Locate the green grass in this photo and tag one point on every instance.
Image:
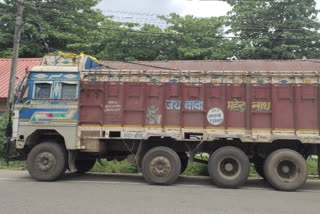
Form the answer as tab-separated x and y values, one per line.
194	169
115	167
14	165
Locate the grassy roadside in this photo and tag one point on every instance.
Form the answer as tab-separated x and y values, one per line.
194	169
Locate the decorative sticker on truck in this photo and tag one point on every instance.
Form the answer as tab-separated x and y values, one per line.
261	106
189	105
173	104
215	116
240	106
153	116
236	105
112	106
193	105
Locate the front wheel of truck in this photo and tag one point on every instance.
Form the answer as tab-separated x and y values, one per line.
47	161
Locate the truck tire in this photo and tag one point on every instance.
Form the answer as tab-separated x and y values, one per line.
161	165
286	170
84	166
184	161
47	161
229	167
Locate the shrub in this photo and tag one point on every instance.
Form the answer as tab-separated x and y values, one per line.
3	137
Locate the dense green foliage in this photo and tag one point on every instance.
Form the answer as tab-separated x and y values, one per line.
276	29
3	137
258	29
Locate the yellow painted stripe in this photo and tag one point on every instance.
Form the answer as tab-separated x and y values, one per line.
112	125
264	129
152	126
308	130
172	127
214	127
24	119
132	126
91	125
284	129
63	120
236	128
192	127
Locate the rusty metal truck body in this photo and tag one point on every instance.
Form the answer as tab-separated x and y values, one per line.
160	119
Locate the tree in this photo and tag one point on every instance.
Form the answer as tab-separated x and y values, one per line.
62	25
198	38
280	29
131	42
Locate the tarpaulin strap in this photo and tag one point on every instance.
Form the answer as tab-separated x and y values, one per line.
72	55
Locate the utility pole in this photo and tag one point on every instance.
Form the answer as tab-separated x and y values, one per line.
16	43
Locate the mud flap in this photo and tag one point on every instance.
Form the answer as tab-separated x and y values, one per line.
72	154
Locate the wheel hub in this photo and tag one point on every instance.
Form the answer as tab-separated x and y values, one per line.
160	166
45	161
287	170
229	167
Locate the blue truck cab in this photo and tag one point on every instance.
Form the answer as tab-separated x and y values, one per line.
46	105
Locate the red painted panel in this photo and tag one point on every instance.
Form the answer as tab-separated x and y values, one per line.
192	105
261	111
215	100
307	106
91	103
236	106
172	104
283	106
154	105
113	103
134	104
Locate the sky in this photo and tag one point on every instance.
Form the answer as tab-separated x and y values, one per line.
143	10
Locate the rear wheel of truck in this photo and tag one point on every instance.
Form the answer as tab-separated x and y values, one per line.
229	167
286	170
184	161
47	161
84	165
161	165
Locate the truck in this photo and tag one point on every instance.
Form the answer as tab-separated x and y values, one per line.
71	111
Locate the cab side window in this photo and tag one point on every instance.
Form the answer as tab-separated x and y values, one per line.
42	90
69	91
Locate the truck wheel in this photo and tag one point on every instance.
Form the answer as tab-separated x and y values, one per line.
161	165
47	161
286	169
84	166
184	161
229	167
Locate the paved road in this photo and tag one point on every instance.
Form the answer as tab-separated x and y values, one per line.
109	193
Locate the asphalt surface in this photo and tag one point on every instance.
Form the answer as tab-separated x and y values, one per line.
110	193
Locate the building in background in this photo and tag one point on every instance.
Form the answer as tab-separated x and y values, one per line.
5	68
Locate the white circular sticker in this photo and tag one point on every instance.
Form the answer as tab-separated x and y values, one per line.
215	116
